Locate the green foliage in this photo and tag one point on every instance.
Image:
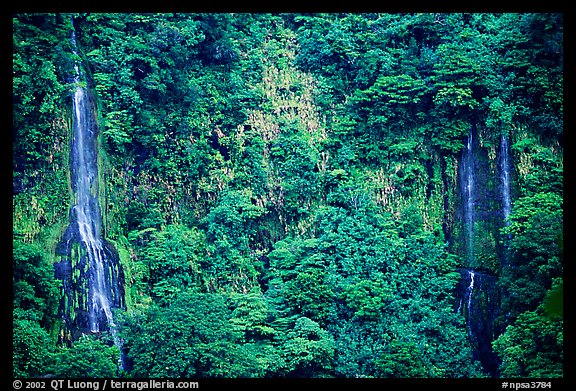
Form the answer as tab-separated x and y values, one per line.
402	359
32	346
197	335
531	347
302	277
296	161
287	185
173	257
375	286
250	316
35	300
232	231
530	216
391	90
366	298
34	288
554	301
87	358
536	227
540	167
308	349
39	77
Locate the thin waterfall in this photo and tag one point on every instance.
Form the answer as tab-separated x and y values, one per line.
470	289
476	295
505	178
467	295
103	285
86	210
478	300
469	313
467	185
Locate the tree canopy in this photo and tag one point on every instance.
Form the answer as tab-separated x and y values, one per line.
283	191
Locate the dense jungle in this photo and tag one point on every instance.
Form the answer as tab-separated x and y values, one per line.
231	195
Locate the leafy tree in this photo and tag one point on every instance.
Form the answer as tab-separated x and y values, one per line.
308	349
34	288
197	335
300	273
296	160
173	257
32	348
232	232
366	298
250	315
87	358
403	359
39	79
531	347
536	229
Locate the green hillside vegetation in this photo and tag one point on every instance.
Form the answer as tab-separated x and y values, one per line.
282	191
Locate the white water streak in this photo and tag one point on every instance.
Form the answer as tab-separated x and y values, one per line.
87	211
505	179
468	185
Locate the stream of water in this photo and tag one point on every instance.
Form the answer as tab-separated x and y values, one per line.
103	284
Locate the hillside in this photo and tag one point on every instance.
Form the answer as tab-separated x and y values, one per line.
288	195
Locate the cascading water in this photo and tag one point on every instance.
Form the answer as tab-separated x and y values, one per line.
467	185
505	178
92	277
477	297
470	289
477	290
467	295
86	210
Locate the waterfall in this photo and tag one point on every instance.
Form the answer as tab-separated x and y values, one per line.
477	296
467	296
470	289
479	292
467	185
104	275
86	210
505	178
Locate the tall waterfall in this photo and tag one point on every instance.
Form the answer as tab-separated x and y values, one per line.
93	282
477	296
467	186
505	178
86	211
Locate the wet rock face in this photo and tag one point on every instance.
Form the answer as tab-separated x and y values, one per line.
79	257
484	205
484	201
477	299
63	270
89	267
